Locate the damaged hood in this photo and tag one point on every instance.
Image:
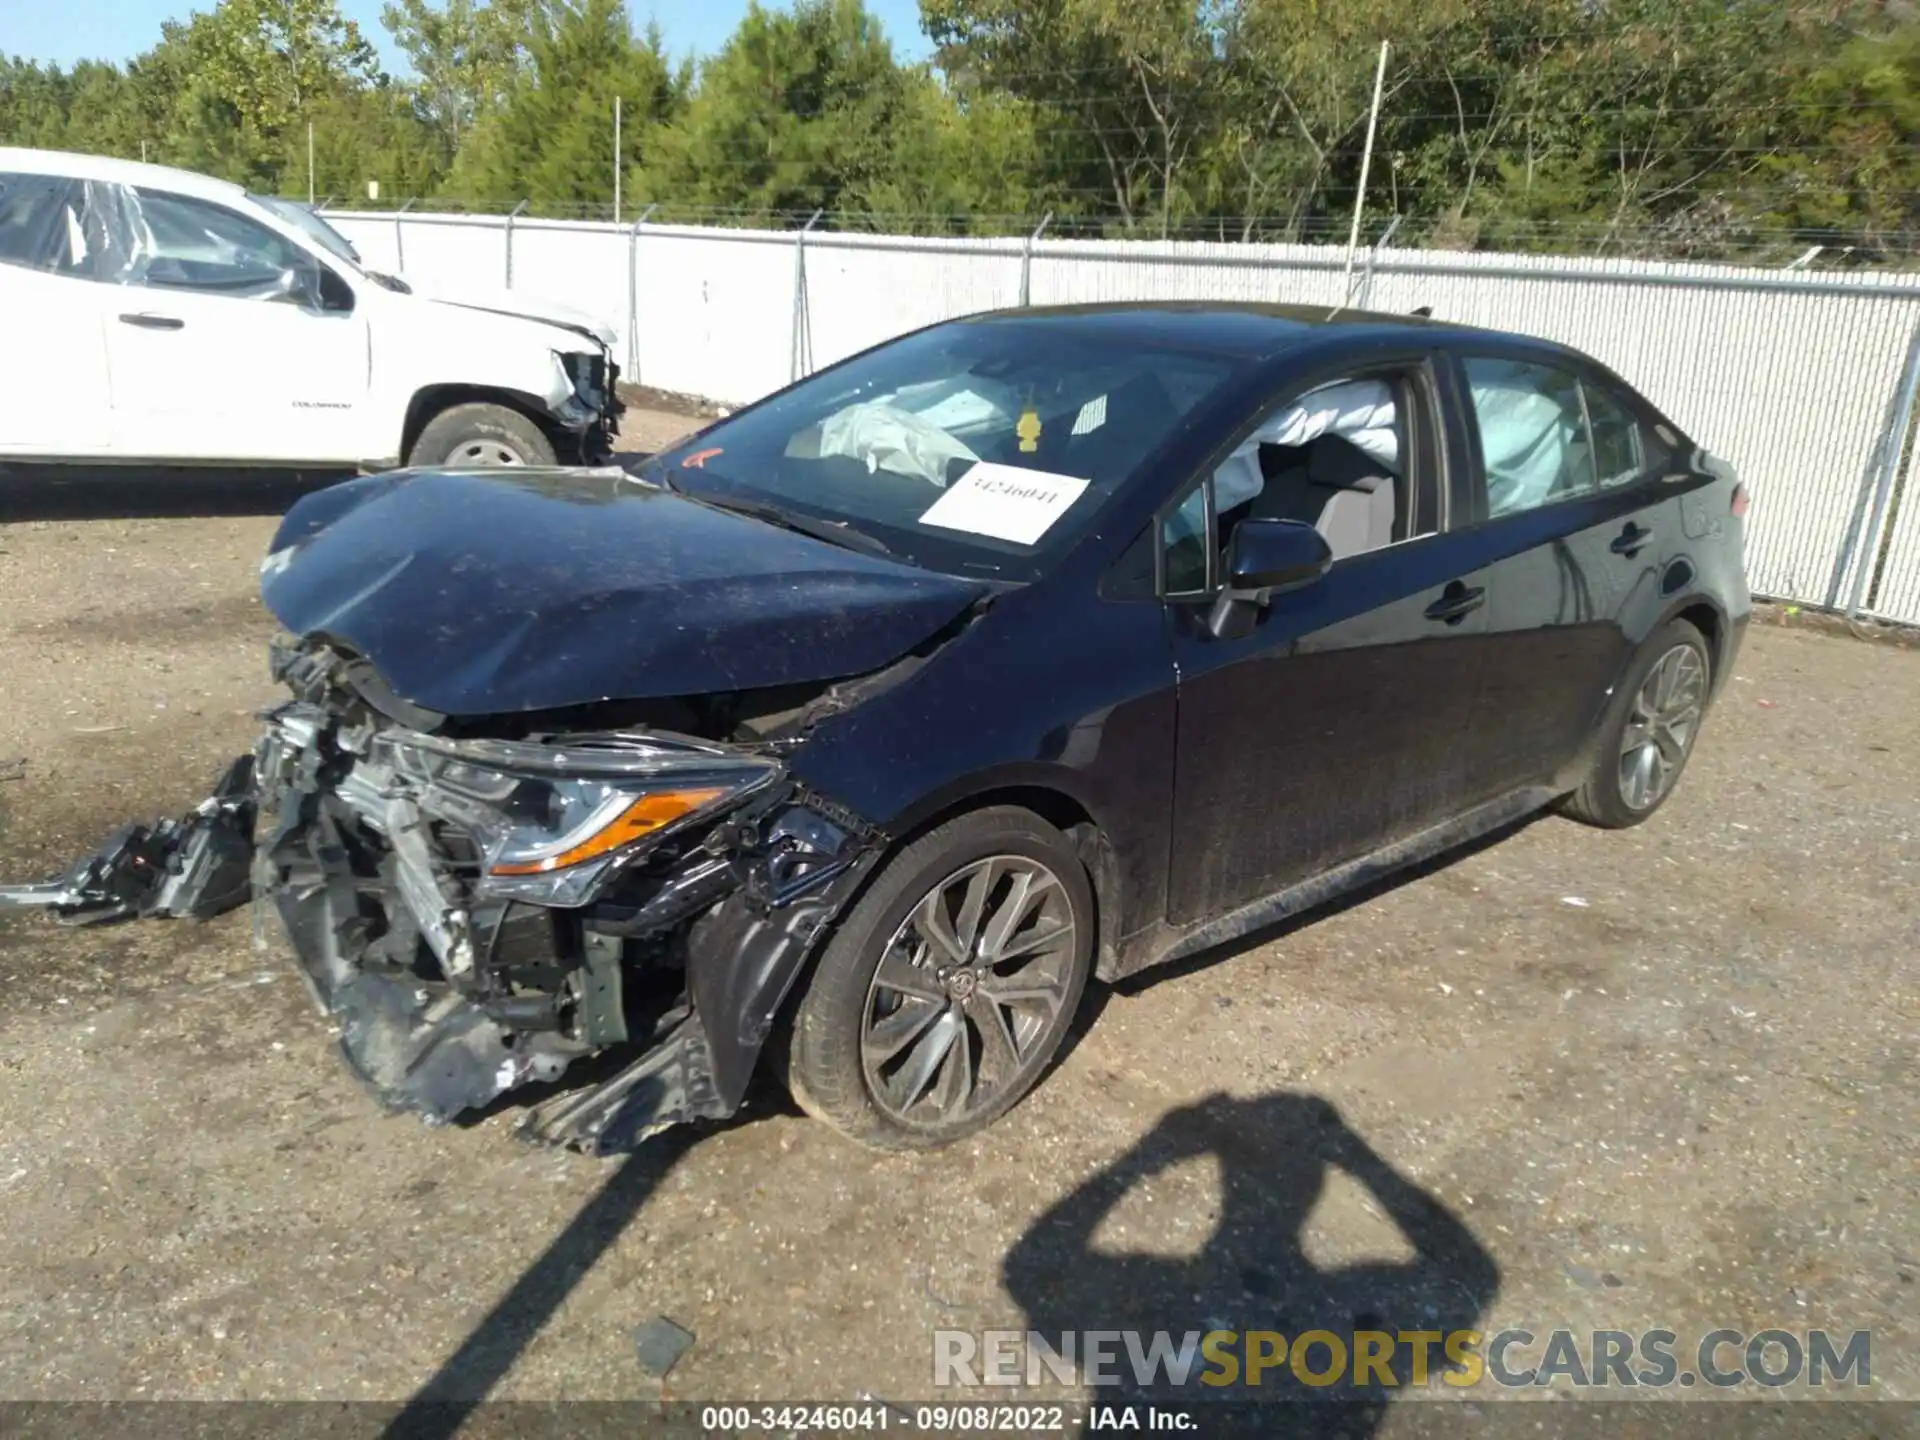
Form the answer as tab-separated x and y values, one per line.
488	592
517	304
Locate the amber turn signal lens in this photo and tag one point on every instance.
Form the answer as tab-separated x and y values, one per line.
646	815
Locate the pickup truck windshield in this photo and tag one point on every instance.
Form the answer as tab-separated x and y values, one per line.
316	229
975	447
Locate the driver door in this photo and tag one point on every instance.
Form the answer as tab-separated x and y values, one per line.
1330	729
209	359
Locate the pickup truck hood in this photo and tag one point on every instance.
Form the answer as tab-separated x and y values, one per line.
518	304
488	592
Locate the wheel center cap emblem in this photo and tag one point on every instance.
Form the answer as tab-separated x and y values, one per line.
960	984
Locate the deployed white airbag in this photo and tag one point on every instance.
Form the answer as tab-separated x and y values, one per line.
1359	411
886	437
1525	434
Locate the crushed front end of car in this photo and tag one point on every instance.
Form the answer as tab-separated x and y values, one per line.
585	403
480	913
477	914
531	798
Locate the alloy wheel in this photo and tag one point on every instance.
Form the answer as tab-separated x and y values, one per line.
1661	726
969	991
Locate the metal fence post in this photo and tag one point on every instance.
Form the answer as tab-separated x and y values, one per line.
1026	260
1887	455
798	356
1373	253
633	295
399	239
510	214
1366	164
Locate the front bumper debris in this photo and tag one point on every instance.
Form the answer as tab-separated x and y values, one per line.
588	406
194	868
450	988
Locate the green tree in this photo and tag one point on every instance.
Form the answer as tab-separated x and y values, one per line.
1715	128
1124	88
550	141
950	166
271	59
797	112
465	55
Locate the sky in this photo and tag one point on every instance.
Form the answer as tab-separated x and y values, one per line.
64	31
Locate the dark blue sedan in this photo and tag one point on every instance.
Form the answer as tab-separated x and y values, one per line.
865	725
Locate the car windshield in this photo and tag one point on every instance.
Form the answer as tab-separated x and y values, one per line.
315	228
979	447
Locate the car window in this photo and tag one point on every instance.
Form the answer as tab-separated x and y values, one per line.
1183	537
972	446
312	226
1333	458
183	243
1619	455
1533	434
1336	457
43	224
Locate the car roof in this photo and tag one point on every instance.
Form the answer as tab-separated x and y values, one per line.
1253	331
118	172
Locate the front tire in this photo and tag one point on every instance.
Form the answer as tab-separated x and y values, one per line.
464	436
945	993
1650	732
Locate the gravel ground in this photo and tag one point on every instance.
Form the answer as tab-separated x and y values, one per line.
1660	1078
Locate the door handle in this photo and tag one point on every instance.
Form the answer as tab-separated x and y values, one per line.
1630	541
147	320
1456	602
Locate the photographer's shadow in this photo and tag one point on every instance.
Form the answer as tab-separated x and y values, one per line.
1253	1274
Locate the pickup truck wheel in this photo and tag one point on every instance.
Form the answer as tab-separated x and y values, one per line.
481	435
943	995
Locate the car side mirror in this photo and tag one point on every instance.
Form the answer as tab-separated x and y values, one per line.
334	294
293	286
305	286
1265	558
1275	555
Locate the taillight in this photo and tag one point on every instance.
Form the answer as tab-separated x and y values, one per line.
1739	500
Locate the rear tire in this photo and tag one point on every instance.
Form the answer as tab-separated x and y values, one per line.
481	435
1649	733
986	925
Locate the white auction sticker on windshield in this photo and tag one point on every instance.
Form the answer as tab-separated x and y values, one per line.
1005	502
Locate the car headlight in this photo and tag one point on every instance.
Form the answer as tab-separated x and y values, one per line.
551	823
588	819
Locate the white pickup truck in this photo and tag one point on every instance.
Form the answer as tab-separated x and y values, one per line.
151	316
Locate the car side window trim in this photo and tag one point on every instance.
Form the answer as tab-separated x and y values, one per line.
1417	390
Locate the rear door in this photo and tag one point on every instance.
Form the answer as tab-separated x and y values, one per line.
211	357
1328	731
1571	518
53	359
